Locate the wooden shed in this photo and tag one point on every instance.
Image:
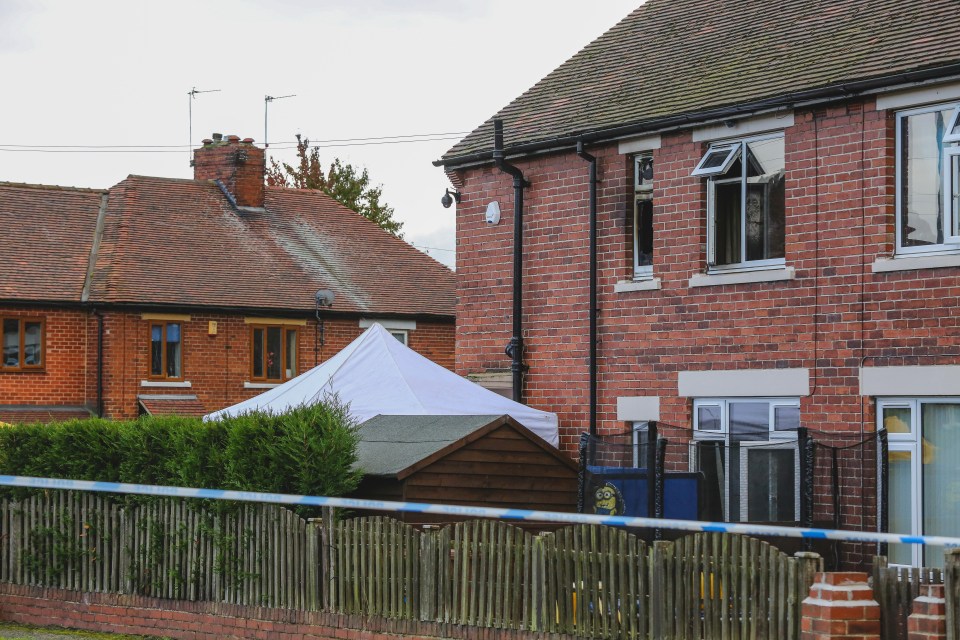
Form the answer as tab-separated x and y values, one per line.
489	461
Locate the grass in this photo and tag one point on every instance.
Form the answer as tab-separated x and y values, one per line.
18	632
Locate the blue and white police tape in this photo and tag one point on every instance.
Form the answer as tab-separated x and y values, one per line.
474	512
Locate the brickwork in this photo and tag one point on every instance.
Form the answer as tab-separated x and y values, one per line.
200	620
835	316
840	605
239	165
928	621
63	380
216	366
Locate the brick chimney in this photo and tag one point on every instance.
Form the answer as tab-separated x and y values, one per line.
238	164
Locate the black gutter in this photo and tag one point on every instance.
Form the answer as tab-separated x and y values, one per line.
822	94
515	349
593	285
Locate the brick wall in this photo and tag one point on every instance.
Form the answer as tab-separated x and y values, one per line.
63	379
199	620
834	317
216	365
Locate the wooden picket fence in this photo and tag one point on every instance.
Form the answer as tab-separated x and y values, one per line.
587	581
166	548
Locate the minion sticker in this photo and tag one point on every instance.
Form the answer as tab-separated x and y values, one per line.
607	500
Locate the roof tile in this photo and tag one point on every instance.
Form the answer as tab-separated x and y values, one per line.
681	57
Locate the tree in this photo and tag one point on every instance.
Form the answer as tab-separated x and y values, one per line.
342	182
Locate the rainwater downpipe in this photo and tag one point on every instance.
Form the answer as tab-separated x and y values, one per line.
99	316
515	349
593	285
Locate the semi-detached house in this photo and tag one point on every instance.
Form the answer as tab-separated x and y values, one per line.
777	240
164	295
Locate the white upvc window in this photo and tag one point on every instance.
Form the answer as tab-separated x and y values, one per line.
745	203
928	180
754	459
923	486
642	217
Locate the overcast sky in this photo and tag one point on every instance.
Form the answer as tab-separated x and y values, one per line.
118	73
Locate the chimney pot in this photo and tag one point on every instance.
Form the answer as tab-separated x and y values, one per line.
233	139
247	140
207	141
217	137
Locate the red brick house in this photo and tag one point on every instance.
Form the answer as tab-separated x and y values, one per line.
777	239
163	295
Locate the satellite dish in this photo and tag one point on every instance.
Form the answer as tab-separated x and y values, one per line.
324	298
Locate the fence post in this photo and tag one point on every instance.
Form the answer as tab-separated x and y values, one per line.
951	583
657	586
314	568
328	570
810	564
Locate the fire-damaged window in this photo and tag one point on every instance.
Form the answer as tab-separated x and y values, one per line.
928	179
643	217
746	448
22	344
745	203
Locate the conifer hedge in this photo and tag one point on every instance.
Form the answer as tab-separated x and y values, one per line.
308	450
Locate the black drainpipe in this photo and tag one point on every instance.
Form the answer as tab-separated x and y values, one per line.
593	285
515	348
99	316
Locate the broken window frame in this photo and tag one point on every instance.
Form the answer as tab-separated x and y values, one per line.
733	151
643	197
720	178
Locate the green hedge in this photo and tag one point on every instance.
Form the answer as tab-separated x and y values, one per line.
308	450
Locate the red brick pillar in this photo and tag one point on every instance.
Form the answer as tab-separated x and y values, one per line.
929	618
840	605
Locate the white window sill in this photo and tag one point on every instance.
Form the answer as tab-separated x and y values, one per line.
260	385
911	262
651	284
743	277
160	384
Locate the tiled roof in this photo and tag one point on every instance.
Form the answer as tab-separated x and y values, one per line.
673	58
45	239
176	406
181	243
30	415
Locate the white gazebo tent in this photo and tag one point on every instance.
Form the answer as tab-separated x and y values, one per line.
377	375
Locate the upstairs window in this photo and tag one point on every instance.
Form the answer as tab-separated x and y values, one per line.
22	344
745	203
928	179
643	217
166	350
273	353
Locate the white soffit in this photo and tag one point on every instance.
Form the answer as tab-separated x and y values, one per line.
746	127
396	325
751	383
636	145
638	408
943	380
919	95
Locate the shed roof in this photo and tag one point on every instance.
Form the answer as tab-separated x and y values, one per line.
392	444
396	446
683	59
